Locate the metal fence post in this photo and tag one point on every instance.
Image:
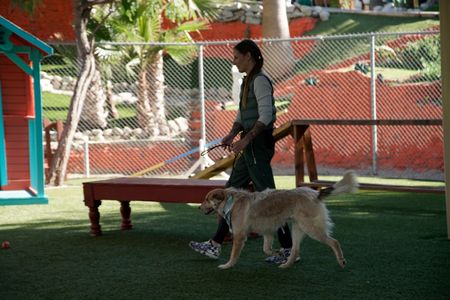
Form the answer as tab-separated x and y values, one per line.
201	88
203	159
373	105
87	171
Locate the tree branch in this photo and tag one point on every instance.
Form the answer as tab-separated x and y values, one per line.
100	2
103	19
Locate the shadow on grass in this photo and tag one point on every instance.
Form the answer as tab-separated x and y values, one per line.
399	255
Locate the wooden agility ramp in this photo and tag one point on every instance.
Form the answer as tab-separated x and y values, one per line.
227	162
304	153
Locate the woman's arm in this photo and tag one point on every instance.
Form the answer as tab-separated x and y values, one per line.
263	92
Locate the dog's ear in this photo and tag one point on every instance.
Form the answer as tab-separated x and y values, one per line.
218	195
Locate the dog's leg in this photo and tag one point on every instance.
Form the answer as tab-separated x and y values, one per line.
297	237
268	241
238	244
320	234
336	246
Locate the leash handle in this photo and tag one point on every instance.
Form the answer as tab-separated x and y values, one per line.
226	146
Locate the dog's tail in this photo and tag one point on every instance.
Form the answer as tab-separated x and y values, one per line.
348	184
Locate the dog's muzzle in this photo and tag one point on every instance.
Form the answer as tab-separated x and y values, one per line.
206	210
209	211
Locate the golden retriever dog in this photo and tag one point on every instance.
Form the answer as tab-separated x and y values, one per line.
265	212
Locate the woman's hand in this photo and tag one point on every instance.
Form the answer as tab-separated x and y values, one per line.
227	141
244	141
241	144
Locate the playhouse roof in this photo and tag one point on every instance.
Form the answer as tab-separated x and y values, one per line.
46	49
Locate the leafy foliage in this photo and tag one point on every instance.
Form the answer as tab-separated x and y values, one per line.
160	21
28	6
423	55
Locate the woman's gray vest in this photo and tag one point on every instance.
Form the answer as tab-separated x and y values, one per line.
249	114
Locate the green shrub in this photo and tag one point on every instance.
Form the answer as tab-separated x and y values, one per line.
423	51
432	69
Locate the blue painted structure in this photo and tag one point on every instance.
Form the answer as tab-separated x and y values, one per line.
21	141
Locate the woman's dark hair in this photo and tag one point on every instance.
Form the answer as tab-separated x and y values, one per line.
249	46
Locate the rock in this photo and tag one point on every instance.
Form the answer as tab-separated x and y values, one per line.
182	123
306	10
116	131
137	132
252	20
108	132
46	85
324	15
96	132
78	136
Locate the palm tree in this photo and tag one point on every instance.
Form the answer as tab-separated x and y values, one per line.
280	59
174	11
86	74
158	21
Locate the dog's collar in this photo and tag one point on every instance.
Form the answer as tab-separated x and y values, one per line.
227	210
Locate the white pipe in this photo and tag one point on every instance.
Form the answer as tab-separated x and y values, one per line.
201	88
373	106
87	171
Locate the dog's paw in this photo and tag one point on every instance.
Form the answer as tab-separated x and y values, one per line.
225	266
285	265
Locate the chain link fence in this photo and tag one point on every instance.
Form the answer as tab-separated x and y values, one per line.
191	100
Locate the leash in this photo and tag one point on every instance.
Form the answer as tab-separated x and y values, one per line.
226	147
206	151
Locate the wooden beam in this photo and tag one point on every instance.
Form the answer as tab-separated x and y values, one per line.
309	155
218	167
299	159
444	11
359	122
227	162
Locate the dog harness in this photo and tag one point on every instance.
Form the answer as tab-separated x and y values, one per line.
227	211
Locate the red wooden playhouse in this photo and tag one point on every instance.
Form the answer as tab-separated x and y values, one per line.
21	150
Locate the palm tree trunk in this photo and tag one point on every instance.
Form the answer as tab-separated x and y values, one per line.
110	104
155	75
150	107
94	114
87	71
143	109
279	58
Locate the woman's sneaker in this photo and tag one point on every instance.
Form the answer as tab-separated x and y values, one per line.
206	248
281	257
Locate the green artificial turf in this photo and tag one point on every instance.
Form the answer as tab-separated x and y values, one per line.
395	244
